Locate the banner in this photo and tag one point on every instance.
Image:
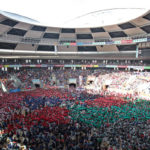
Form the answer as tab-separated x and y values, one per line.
140	40
73	44
14	90
122	66
79	43
126	41
118	42
95	66
110	43
147	67
38	65
79	66
111	66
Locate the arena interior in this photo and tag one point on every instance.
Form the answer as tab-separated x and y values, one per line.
74	88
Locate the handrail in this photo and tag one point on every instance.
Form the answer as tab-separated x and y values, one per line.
30	40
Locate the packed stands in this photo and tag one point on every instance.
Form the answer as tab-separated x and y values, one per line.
62	118
75	88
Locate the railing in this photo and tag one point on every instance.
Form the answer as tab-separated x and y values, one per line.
57	53
28	40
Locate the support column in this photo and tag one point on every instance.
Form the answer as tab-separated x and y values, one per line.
137	51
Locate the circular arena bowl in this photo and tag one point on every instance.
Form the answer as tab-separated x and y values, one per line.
124	36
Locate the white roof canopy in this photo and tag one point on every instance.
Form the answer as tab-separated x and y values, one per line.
76	13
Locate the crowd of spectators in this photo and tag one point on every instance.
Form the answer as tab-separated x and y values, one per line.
60	119
117	81
135	84
47	77
56	119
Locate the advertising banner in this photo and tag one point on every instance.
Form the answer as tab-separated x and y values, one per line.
126	41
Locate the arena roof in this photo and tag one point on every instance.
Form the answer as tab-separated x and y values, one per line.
21	35
75	13
16	31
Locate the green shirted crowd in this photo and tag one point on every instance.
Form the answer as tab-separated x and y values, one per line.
94	116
